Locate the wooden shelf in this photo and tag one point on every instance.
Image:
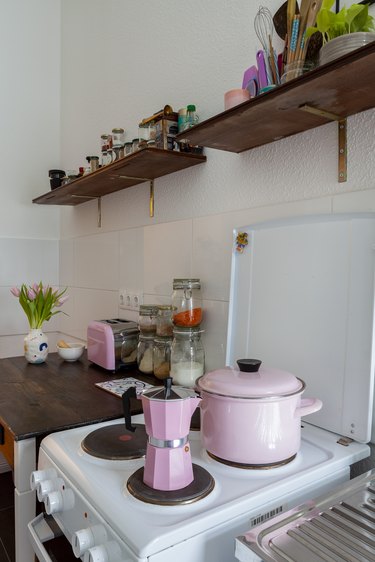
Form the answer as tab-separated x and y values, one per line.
342	87
144	165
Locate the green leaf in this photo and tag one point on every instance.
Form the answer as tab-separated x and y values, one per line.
359	20
324	20
327	4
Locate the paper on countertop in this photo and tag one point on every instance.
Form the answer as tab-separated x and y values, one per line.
119	386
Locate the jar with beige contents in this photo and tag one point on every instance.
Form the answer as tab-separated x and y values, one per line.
145	354
147	319
162	356
164	323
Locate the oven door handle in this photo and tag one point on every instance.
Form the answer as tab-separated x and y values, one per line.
40	532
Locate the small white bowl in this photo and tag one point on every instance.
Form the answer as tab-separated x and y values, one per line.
71	353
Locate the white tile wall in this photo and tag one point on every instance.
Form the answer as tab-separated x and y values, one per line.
28	261
131	259
25	261
96	261
147	258
85	305
167	254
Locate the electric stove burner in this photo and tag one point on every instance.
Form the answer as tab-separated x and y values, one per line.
252	466
201	486
115	442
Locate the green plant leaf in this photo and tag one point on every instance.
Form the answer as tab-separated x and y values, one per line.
310	31
359	19
327	4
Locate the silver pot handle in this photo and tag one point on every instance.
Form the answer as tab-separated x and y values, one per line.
308	406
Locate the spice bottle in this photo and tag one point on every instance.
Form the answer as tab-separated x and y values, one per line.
187	302
187	356
145	354
162	356
164	324
118	137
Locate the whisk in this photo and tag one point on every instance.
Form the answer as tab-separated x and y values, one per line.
263	25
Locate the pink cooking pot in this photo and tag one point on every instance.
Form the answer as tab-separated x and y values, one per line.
252	415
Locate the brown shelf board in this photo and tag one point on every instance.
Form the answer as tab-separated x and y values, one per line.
344	87
143	165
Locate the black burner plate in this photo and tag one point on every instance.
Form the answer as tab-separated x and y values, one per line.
252	466
115	442
201	486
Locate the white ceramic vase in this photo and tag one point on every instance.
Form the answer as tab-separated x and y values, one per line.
36	346
343	44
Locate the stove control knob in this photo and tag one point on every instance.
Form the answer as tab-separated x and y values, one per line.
46	486
39	475
107	552
58	501
84	539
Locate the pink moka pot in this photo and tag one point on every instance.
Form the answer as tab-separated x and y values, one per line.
168	411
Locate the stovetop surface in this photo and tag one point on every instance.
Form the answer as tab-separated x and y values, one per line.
237	491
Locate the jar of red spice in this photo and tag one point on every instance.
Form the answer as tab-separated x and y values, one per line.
187	302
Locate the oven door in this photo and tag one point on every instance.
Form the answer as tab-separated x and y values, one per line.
48	540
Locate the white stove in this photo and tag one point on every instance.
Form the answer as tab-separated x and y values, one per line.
302	299
92	495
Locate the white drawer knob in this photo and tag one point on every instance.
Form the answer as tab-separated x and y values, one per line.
46	486
59	501
84	539
39	475
108	552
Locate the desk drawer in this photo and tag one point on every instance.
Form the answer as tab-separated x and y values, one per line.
7	445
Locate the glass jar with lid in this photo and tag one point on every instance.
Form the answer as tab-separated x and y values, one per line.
187	302
118	136
145	352
162	356
147	319
187	356
164	324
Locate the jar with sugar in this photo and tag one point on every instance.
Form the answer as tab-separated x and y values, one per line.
187	356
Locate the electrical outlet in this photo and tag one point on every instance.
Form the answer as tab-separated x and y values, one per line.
136	300
125	299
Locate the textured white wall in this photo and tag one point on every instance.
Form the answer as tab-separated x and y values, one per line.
124	60
29	146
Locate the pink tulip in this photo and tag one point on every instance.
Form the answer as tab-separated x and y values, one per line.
45	290
61	301
31	294
15	291
36	288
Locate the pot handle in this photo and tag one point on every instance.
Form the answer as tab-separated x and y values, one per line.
308	406
130	393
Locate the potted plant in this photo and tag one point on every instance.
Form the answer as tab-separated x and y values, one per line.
343	32
38	303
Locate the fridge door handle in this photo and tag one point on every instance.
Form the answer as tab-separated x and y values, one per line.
39	533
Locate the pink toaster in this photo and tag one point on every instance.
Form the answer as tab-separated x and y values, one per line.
112	344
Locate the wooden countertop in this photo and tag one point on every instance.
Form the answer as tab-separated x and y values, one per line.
36	400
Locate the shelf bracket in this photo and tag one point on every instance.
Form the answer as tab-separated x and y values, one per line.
99	212
99	199
151	190
342	137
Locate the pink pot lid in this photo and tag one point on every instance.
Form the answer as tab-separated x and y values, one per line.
250	381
